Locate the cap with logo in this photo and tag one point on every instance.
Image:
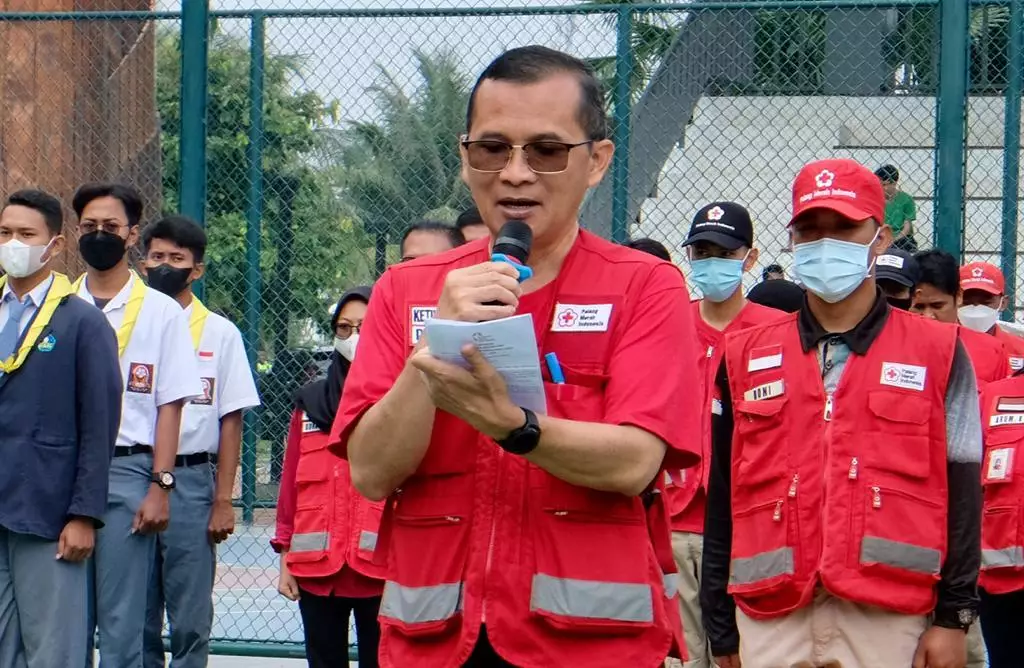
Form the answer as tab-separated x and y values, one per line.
898	266
726	224
844	186
982	276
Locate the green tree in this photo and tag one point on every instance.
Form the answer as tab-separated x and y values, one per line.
405	166
310	252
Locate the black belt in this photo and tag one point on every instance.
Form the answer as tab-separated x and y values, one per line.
129	450
195	459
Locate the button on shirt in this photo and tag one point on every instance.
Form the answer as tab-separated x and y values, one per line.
158	365
227	381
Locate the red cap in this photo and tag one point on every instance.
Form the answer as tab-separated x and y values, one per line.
844	186
982	276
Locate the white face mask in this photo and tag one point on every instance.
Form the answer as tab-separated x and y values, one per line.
347	347
979	317
19	260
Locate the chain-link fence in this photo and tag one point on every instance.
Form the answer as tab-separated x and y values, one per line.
328	131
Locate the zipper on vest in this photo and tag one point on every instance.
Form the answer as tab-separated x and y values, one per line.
793	484
853	469
777	515
876	497
490	541
829	406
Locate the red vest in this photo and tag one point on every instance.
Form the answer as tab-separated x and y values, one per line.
847	490
559	574
1002	473
687	488
334	525
988	356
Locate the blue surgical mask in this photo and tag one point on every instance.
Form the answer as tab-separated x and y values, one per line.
717	277
830	268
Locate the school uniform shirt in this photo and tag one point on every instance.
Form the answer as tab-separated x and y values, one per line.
158	365
36	296
227	385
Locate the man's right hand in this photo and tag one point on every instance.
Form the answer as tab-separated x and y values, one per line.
730	661
467	291
287	585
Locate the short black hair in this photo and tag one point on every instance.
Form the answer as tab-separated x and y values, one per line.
126	194
454	234
772	269
940	269
888	174
179	230
469	217
43	202
530	64
651	247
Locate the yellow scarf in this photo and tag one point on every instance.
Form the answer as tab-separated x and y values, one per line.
60	289
197	321
131	313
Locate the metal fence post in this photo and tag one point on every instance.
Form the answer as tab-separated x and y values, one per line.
951	127
195	27
254	217
622	108
1011	154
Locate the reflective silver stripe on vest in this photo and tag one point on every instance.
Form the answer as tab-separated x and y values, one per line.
671	584
874	550
367	541
592	599
309	542
749	570
1008	557
418	605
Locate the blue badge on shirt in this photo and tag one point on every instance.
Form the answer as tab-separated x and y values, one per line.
47	344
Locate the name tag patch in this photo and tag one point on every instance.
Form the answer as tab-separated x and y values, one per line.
907	376
1003	419
307	425
418	317
581	318
1010	404
1017	363
1000	465
140	378
775	388
769	357
208	387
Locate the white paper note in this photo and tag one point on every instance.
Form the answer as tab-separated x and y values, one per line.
509	344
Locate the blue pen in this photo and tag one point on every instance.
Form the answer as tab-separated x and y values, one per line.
555	369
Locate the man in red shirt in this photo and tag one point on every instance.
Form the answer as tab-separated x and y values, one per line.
517	539
984	296
721	250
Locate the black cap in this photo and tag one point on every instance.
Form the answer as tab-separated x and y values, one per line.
726	224
898	266
778	294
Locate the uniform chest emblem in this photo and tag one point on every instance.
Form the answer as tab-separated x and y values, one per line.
768	357
581	318
418	317
907	376
140	378
209	386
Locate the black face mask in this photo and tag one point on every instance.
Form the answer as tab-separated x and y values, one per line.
902	304
100	250
167	279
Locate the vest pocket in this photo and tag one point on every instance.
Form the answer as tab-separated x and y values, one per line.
314	509
763	556
1002	542
903	535
903	418
427	553
593	569
763	436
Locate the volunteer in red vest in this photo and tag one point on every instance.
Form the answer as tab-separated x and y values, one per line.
721	249
1002	526
983	297
844	496
517	538
936	297
326	531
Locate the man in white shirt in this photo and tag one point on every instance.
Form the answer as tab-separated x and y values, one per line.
158	364
202	514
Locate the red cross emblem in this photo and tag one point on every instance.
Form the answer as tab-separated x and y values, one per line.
566	318
892	374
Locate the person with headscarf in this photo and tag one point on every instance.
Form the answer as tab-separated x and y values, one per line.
326	531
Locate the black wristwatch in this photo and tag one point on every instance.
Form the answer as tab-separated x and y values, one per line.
524	439
165	479
962	620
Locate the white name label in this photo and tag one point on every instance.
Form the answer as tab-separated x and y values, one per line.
1006	418
418	317
906	376
766	391
894	261
581	318
1017	363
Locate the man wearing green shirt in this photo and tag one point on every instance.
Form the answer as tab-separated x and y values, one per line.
900	210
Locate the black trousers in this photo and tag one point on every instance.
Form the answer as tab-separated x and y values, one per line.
1002	616
325	627
484	656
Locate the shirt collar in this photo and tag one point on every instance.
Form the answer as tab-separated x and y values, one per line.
859	339
36	294
121	298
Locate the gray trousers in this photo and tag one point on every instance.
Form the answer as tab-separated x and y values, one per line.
182	578
121	566
42	605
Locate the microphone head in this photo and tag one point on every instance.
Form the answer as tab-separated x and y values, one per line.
514	240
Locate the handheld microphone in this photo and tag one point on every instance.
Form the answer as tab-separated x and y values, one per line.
513	246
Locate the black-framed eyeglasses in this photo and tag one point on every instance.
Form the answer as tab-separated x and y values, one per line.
343	330
542	157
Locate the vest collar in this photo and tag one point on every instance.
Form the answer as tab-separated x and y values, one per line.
859	339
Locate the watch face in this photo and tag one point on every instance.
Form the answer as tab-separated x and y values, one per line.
166	478
965	617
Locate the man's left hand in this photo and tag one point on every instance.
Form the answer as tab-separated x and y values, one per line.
940	647
477	395
222	521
